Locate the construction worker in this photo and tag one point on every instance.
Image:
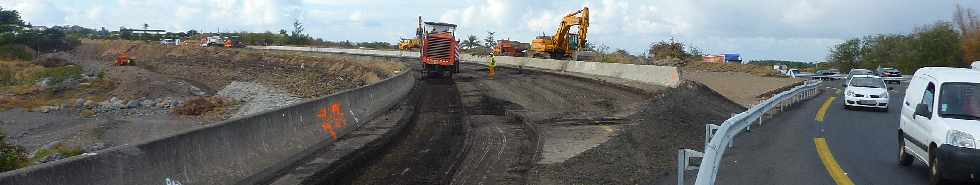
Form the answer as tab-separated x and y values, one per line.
491	64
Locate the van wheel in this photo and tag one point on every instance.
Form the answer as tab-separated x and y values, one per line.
904	158
935	170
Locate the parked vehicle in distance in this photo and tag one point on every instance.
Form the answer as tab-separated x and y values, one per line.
175	42
889	72
827	72
856	72
940	122
866	91
792	72
891	75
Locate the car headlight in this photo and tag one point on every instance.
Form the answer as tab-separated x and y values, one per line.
849	93
883	95
960	139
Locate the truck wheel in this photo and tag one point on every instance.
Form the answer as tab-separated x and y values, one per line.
904	158
935	170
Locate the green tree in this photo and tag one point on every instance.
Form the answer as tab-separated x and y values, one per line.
667	49
845	55
938	45
297	37
10	21
489	41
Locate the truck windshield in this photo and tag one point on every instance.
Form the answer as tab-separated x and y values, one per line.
960	101
867	82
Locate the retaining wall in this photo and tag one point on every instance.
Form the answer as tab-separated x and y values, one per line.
657	75
228	152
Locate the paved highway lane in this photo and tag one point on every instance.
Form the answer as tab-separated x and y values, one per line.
862	143
865	143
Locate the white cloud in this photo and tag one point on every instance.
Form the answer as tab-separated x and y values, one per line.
802	13
260	13
757	28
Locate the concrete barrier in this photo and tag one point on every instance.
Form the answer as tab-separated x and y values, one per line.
228	152
658	75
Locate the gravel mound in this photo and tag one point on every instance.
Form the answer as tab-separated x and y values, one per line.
256	97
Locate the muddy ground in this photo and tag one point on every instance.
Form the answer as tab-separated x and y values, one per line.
168	76
529	127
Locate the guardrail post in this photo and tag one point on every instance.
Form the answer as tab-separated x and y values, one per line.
681	166
683	158
709	132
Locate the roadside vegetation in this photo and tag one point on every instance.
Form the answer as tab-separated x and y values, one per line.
28	80
944	43
11	156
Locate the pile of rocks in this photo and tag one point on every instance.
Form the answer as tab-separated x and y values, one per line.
256	97
116	104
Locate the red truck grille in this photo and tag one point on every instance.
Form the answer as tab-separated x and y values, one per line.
437	50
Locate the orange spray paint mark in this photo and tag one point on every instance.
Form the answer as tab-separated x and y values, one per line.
333	119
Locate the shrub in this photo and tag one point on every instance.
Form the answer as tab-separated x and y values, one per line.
16	52
199	105
11	156
59	74
58	149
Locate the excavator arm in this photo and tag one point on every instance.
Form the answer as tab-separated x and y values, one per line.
578	18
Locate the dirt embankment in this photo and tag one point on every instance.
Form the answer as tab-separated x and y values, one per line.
743	88
745	84
301	74
644	152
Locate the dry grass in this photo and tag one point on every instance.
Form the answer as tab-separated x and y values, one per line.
17	88
201	105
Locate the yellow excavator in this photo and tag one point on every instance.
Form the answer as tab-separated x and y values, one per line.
413	43
564	44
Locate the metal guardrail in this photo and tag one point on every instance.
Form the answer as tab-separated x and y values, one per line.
719	137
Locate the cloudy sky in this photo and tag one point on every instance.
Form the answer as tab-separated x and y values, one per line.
758	29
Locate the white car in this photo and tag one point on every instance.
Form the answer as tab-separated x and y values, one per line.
940	123
866	91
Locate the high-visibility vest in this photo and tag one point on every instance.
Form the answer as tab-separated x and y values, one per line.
492	61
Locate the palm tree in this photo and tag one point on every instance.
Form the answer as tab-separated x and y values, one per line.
471	42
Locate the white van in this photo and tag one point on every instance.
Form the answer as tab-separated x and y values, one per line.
940	122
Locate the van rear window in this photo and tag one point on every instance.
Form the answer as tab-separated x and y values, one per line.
960	100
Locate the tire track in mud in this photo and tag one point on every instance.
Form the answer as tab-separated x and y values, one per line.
429	153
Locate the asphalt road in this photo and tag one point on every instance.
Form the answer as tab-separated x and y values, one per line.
863	143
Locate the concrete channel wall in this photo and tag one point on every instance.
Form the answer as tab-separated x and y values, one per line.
229	152
658	75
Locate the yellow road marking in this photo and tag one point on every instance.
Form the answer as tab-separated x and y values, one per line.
823	109
838	174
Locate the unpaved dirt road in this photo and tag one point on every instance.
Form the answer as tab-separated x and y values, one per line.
479	131
429	153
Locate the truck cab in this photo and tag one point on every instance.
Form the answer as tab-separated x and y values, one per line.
440	49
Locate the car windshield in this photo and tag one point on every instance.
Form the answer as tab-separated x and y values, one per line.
960	101
867	82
